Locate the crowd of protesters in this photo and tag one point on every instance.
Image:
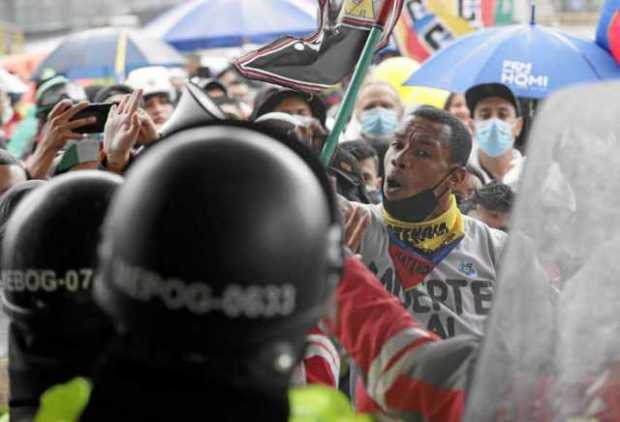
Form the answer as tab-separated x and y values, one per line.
423	201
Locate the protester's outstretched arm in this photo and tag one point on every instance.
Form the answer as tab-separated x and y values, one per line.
56	132
356	218
407	370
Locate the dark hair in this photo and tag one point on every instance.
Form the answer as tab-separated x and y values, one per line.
495	196
361	150
112	90
208	83
92	91
7	159
460	138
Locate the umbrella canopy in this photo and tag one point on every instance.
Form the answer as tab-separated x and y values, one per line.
11	83
532	60
204	24
107	52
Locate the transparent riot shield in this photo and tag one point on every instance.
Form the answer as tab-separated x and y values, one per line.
552	349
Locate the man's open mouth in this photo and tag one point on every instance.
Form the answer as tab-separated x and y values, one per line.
392	183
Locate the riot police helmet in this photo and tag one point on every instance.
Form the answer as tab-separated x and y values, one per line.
49	253
224	242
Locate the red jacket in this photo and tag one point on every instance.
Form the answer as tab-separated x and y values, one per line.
321	363
408	372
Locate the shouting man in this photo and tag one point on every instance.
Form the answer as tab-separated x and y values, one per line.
441	264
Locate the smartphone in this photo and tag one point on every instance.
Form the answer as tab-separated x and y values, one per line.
100	111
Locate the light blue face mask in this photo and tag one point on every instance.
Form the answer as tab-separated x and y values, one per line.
494	136
379	122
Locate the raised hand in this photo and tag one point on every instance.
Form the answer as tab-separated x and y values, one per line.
55	133
59	127
121	131
356	219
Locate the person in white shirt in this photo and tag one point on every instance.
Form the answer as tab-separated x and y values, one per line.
442	265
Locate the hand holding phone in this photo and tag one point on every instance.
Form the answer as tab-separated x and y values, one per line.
99	112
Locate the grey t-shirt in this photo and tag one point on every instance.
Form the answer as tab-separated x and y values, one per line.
455	297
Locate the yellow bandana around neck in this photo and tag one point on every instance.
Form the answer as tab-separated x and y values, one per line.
429	236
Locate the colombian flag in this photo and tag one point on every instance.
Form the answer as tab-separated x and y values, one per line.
608	30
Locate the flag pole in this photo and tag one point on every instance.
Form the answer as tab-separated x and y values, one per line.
359	74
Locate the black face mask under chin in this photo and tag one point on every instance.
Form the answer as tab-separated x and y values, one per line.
418	207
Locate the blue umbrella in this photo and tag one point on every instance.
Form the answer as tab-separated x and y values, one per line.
532	60
107	53
204	24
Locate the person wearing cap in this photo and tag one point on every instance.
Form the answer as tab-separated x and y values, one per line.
289	101
52	91
498	123
158	93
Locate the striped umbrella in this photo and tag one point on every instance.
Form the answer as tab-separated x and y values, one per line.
204	24
107	53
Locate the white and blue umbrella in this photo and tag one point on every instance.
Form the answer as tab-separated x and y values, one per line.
205	24
107	53
532	60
